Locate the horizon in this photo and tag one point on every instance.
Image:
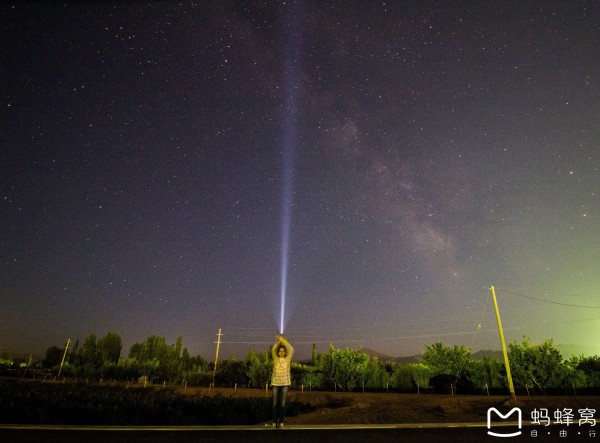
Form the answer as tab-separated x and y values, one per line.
304	351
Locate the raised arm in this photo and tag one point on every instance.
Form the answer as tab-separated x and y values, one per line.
288	346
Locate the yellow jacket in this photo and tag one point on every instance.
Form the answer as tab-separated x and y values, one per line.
281	366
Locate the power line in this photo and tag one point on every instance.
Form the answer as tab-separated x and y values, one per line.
257	335
546	301
361	332
354	340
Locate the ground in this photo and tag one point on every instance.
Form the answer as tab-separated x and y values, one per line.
357	408
369	408
387	408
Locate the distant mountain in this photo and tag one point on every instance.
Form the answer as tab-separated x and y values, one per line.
569	350
479	355
566	351
373	353
387	358
410	359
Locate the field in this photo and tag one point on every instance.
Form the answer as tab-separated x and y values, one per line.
382	408
35	402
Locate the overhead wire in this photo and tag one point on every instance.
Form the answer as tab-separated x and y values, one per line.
352	333
546	301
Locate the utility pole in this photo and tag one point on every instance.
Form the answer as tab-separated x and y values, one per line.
218	342
511	388
63	359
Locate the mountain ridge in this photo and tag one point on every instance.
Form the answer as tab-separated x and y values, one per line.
479	355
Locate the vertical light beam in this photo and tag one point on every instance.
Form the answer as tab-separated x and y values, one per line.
291	74
286	202
286	215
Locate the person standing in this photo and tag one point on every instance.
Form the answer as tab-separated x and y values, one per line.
282	352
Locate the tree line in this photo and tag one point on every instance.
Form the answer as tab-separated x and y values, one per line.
535	368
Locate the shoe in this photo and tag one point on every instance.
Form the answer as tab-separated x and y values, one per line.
281	425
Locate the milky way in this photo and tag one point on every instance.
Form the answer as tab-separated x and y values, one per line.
154	154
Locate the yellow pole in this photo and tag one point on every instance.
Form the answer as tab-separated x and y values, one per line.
218	342
504	353
63	359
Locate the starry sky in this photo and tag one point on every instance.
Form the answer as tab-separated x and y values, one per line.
417	151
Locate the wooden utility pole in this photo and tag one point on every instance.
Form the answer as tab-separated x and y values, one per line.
64	355
218	342
511	388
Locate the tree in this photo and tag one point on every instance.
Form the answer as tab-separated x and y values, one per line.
348	367
310	377
110	370
155	358
129	369
230	372
186	360
89	351
53	357
410	376
575	377
194	370
109	348
376	376
540	366
258	368
154	348
402	378
172	361
448	365
420	374
486	372
74	356
590	366
443	360
323	362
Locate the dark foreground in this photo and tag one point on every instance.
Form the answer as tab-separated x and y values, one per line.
458	432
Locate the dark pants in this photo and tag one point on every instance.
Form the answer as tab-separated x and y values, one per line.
279	396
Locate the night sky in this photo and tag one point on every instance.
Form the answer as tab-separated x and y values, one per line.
152	155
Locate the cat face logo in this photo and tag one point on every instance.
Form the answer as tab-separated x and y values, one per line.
504	417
